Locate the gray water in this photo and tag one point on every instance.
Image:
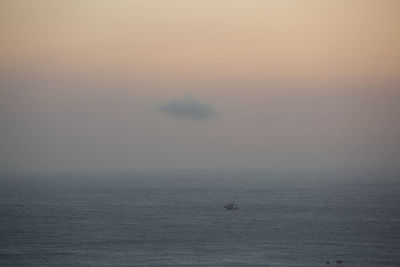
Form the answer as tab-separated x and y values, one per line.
178	219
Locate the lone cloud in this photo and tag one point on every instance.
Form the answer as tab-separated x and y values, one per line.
188	108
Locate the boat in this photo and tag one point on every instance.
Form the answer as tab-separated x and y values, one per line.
231	206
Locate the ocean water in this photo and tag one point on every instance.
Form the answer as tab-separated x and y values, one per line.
179	220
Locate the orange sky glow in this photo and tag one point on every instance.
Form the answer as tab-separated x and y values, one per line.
120	84
205	39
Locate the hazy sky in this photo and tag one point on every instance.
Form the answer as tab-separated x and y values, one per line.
210	84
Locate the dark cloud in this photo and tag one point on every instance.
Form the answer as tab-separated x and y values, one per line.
188	108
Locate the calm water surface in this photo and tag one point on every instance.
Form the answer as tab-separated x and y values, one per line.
158	220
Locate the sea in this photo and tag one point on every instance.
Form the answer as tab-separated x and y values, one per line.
178	219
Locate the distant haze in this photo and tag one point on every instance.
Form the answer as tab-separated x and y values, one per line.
131	85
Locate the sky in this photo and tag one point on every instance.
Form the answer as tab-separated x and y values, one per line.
199	85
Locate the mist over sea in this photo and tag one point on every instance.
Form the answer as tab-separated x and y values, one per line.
177	219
